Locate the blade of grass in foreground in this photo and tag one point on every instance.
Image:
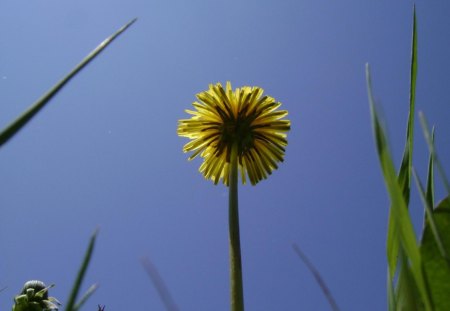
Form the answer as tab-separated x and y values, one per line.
158	282
400	216
404	175
317	276
70	306
12	129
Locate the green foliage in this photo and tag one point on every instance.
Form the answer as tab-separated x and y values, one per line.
437	267
418	273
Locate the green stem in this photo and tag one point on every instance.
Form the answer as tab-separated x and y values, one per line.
237	296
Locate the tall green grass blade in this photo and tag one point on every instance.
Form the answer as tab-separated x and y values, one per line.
430	217
437	268
12	129
429	139
401	219
318	277
404	175
70	306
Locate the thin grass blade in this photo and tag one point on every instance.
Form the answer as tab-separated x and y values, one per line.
13	128
430	217
401	218
404	175
429	140
70	306
326	291
91	290
392	304
430	176
159	284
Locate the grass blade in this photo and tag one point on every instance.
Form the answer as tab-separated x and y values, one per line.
430	176
91	290
317	276
404	175
430	217
392	304
158	282
12	129
70	306
401	219
429	139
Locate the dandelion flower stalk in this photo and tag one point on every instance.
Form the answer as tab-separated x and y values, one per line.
237	292
235	131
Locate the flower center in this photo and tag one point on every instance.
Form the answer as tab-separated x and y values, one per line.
237	131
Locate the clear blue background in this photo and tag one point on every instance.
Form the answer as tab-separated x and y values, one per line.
105	152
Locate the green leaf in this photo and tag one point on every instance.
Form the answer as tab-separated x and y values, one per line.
435	265
400	216
404	175
407	297
70	306
13	128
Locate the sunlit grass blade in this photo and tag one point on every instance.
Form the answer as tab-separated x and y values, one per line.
91	290
404	175
430	217
429	139
70	306
12	129
317	276
400	215
159	284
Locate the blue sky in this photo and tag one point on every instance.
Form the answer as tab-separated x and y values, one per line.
105	152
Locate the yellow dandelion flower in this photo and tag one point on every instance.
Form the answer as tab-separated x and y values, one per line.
244	118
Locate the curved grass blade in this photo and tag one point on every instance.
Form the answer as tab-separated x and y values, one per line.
317	276
159	284
12	129
400	217
70	306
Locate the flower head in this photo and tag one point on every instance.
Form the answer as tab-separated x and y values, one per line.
34	297
243	118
